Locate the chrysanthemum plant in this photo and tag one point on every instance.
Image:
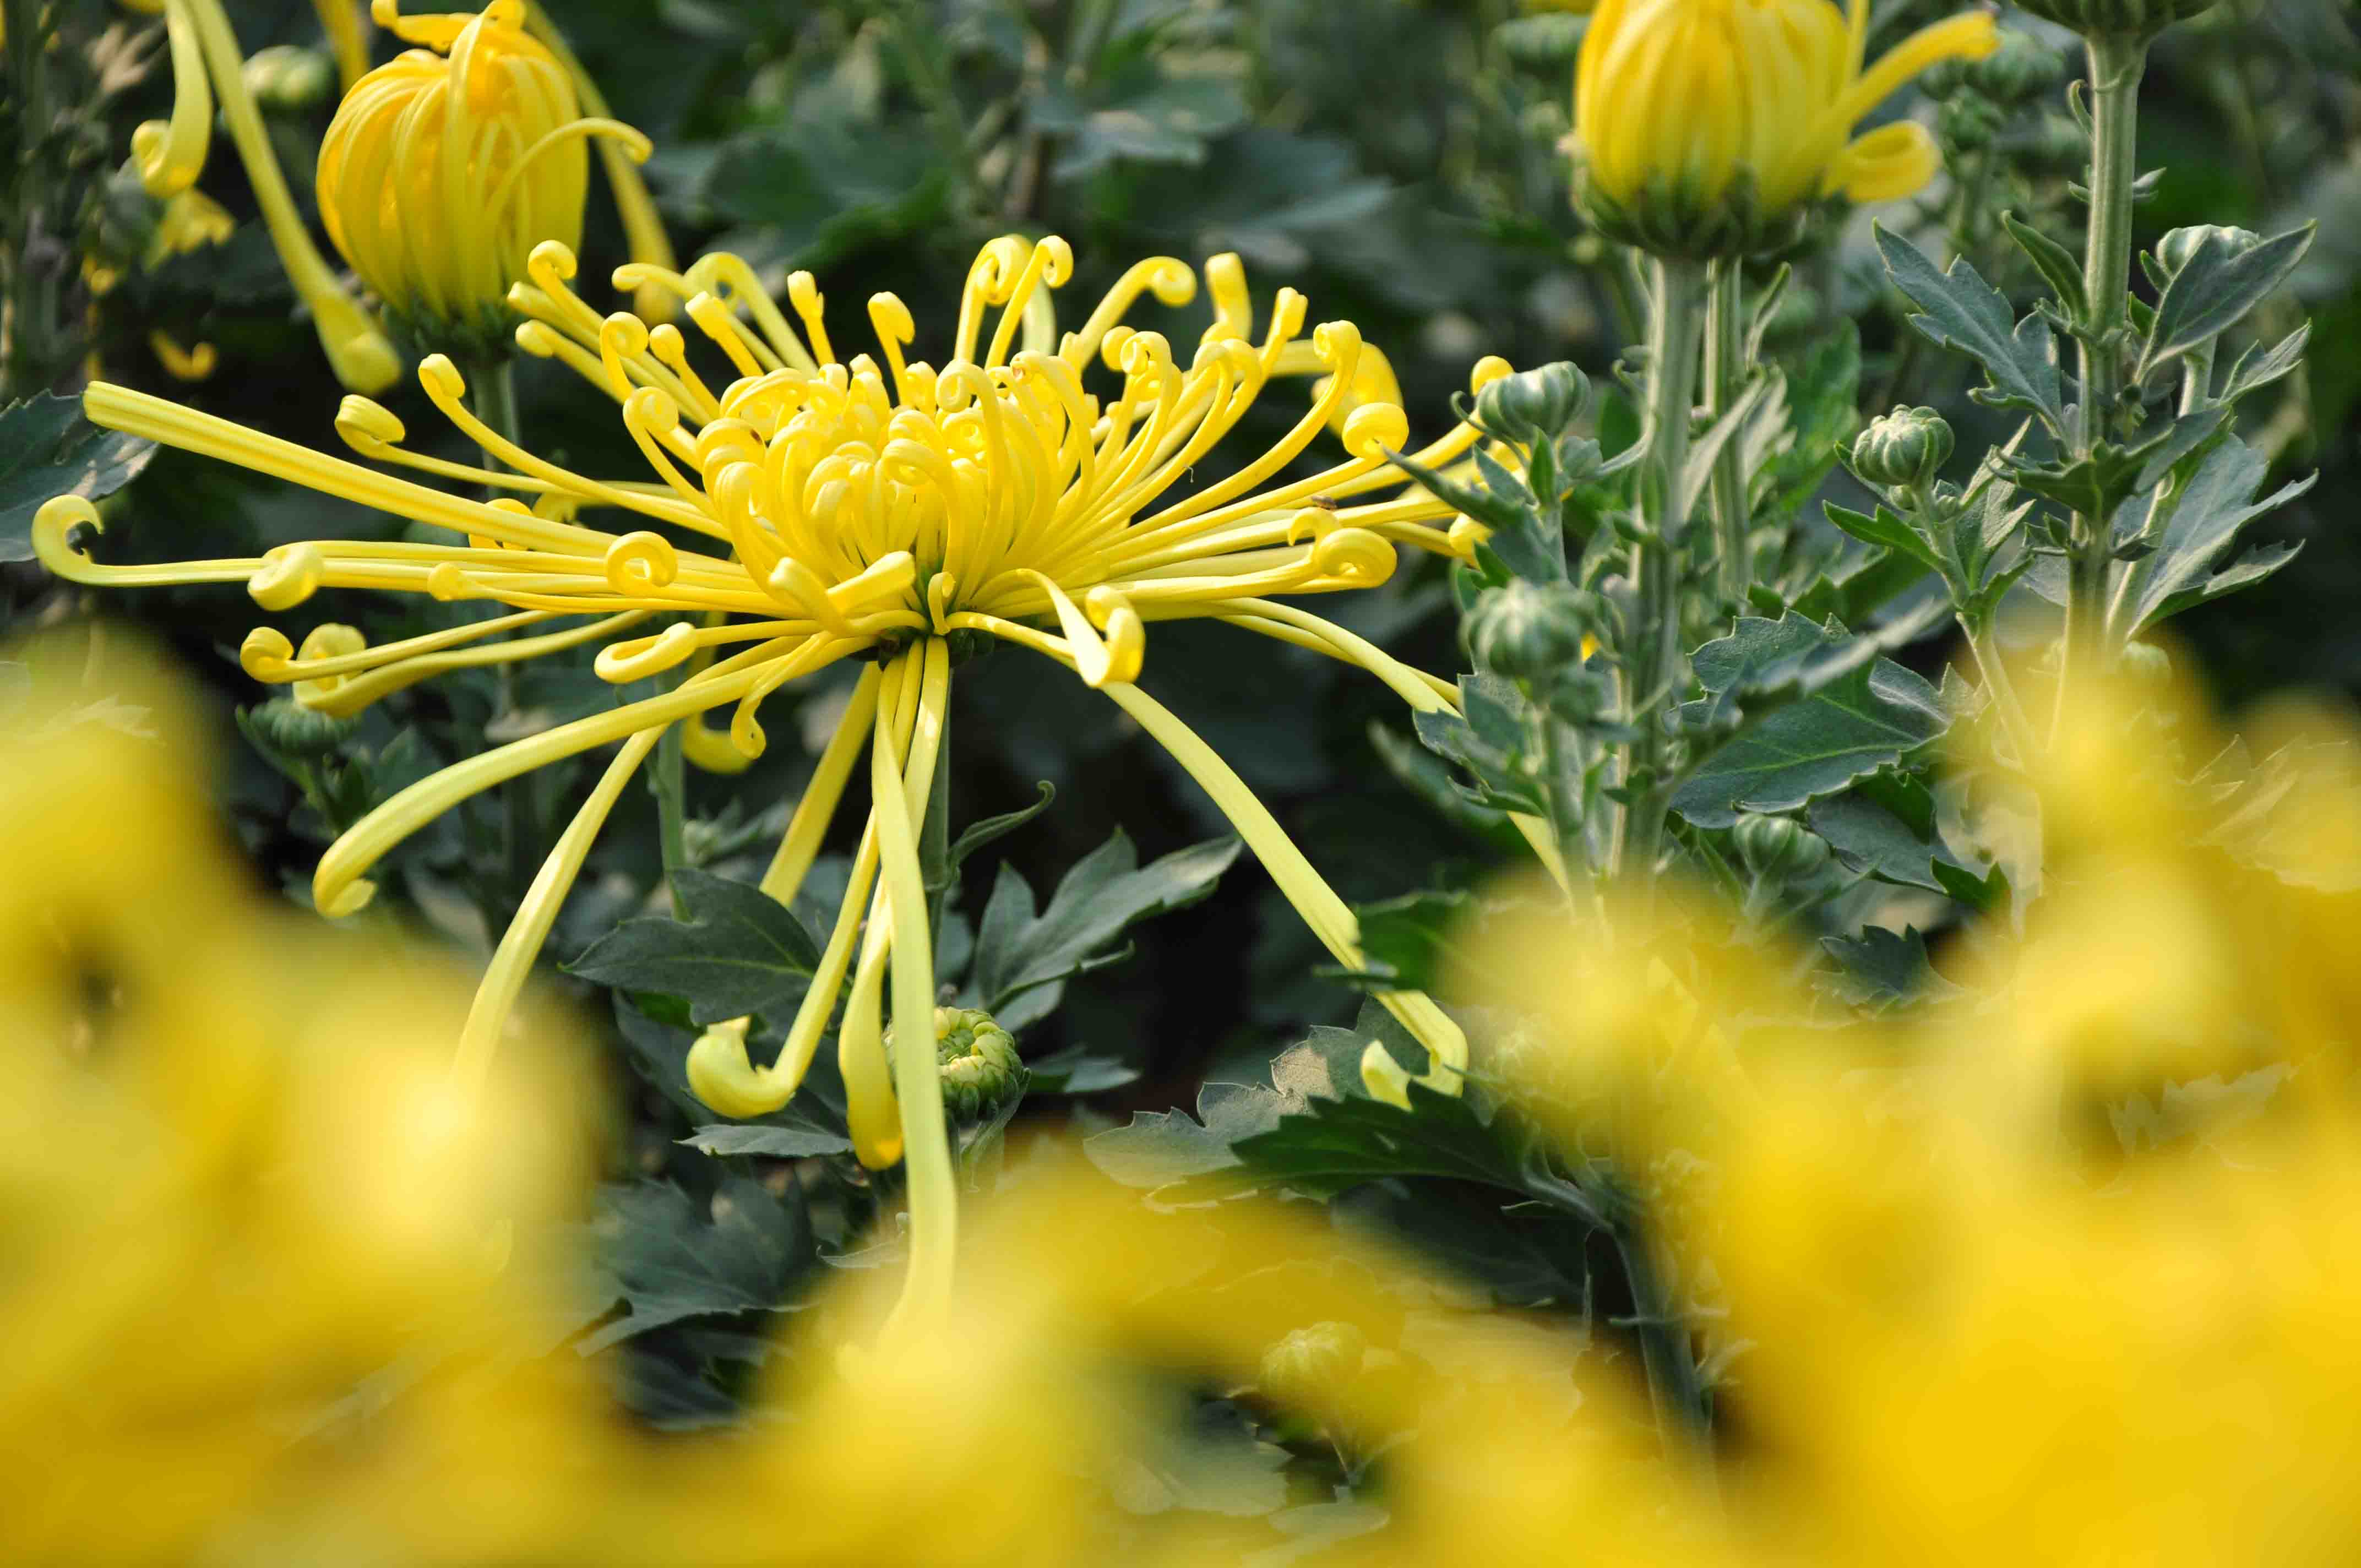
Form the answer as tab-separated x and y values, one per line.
1690	678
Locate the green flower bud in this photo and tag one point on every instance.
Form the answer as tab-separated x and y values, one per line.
1305	1369
2021	69
288	80
289	727
2175	249
982	1072
2116	19
1968	122
1527	630
1533	404
1779	846
2146	663
1905	447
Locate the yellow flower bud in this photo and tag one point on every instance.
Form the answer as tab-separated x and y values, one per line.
1704	125
444	168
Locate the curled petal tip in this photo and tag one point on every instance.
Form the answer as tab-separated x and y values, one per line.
721	1074
290	575
264	654
1383	1077
337	900
1374	429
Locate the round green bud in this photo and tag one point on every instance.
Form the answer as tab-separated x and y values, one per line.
2116	19
1906	447
1779	846
2146	663
982	1072
1527	630
1536	404
288	78
299	731
1968	122
2021	69
1306	1368
2176	248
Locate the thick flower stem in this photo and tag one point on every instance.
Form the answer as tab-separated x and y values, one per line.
1725	379
2116	64
1652	669
491	387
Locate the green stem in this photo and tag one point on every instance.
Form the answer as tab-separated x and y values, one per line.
1725	379
1675	324
1684	1415
2116	64
671	788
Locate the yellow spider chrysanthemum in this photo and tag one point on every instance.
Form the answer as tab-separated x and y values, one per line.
1678	103
845	509
444	168
171	155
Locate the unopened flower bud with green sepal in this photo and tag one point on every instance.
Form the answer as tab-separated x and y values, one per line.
1536	404
297	730
982	1072
286	79
1779	848
1905	449
1528	631
2116	19
2176	249
2020	70
1304	1370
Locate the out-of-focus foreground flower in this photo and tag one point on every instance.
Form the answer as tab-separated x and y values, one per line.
1703	124
2051	1268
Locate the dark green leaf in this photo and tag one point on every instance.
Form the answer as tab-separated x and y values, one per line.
1022	959
2052	260
735	952
1885	969
47	449
978	834
1875	842
666	1261
1075	1071
1489	743
1854	714
1885	528
2208	513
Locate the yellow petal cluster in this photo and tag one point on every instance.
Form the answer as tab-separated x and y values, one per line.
1701	124
444	168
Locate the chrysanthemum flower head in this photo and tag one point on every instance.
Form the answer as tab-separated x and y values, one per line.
800	505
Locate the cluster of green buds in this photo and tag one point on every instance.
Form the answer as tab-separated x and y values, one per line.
1979	99
1534	406
301	731
982	1072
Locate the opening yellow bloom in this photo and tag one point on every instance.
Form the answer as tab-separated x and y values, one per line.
844	508
1685	108
444	168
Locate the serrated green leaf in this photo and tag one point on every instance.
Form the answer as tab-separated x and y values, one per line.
1867	716
2057	265
665	1261
1489	743
2207	514
1964	312
46	450
735	951
1886	529
1022	959
1885	969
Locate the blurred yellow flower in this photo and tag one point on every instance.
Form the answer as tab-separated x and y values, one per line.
444	168
1702	124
